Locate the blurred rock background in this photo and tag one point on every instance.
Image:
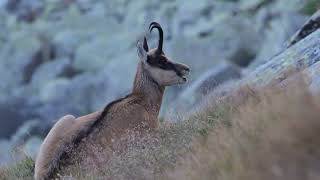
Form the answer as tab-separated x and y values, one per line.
62	57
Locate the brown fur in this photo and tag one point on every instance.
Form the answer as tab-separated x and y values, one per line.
75	141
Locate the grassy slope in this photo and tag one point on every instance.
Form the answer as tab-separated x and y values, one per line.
269	134
273	135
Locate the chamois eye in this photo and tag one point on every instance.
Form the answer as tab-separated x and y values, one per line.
164	60
149	60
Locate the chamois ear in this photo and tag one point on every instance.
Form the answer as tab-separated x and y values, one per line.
141	51
145	44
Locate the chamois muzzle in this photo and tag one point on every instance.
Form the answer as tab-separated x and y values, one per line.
182	70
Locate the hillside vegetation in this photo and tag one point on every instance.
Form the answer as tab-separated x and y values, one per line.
253	134
273	135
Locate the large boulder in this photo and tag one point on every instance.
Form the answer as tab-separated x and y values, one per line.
97	53
210	79
309	76
204	85
280	29
78	96
203	49
11	116
15	56
298	57
48	71
27	10
303	56
25	131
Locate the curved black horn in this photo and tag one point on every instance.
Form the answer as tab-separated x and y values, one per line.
157	26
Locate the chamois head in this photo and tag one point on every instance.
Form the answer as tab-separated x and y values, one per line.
158	66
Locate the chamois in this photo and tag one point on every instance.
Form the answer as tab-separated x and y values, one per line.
71	138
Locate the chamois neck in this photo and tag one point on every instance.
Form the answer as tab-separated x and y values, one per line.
151	91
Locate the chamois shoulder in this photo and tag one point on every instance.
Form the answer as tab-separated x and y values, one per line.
119	104
127	102
121	113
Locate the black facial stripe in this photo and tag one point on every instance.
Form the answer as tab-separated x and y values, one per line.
165	65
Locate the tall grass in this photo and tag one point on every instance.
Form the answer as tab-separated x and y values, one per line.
274	135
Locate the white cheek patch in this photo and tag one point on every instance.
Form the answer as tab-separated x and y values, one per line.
164	77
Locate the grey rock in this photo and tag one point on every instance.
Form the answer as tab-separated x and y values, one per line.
59	98
81	95
298	57
135	13
14	112
189	12
217	76
15	56
96	54
66	42
26	10
121	71
246	5
280	30
24	132
309	76
299	62
206	84
315	83
197	53
49	71
288	6
240	44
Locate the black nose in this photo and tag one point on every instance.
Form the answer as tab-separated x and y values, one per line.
183	67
